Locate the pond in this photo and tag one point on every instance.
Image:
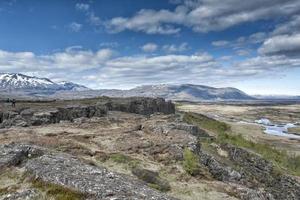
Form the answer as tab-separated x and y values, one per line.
277	129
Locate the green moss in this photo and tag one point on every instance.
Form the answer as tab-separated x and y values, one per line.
57	192
161	188
120	158
124	159
281	159
206	122
190	162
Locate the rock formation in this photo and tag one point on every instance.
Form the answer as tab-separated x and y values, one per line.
67	171
31	117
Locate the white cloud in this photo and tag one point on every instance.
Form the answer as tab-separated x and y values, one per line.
266	65
73	58
220	43
225	58
92	18
281	44
175	48
75	27
148	21
203	15
292	26
82	6
149	47
109	44
243	52
257	37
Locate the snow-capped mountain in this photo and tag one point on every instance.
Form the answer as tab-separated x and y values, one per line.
16	81
72	86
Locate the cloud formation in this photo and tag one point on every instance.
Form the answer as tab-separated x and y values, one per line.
75	27
172	48
92	18
282	44
73	59
220	43
102	68
82	6
149	47
203	15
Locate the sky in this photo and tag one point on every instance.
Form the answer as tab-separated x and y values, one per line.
251	45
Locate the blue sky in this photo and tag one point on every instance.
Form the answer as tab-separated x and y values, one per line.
254	46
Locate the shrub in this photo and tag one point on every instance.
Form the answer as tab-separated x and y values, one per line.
120	158
124	159
190	162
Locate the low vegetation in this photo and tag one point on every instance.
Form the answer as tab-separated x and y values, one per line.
206	122
124	159
190	162
281	159
152	178
57	192
295	130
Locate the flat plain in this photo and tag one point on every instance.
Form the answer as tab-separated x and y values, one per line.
241	118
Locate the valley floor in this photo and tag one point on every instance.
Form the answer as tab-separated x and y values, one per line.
160	156
235	114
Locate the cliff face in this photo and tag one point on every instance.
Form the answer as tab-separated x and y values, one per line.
30	117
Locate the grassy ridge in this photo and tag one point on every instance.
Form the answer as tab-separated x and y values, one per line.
205	122
281	159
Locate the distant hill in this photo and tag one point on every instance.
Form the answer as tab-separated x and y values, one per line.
190	92
185	92
278	97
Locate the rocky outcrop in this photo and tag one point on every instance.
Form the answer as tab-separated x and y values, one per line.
254	167
168	128
68	172
27	194
252	171
98	182
30	117
12	155
143	106
218	170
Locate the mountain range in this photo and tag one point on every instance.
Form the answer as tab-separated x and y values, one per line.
23	85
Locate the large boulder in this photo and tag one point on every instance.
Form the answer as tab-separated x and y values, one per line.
13	154
53	168
97	182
